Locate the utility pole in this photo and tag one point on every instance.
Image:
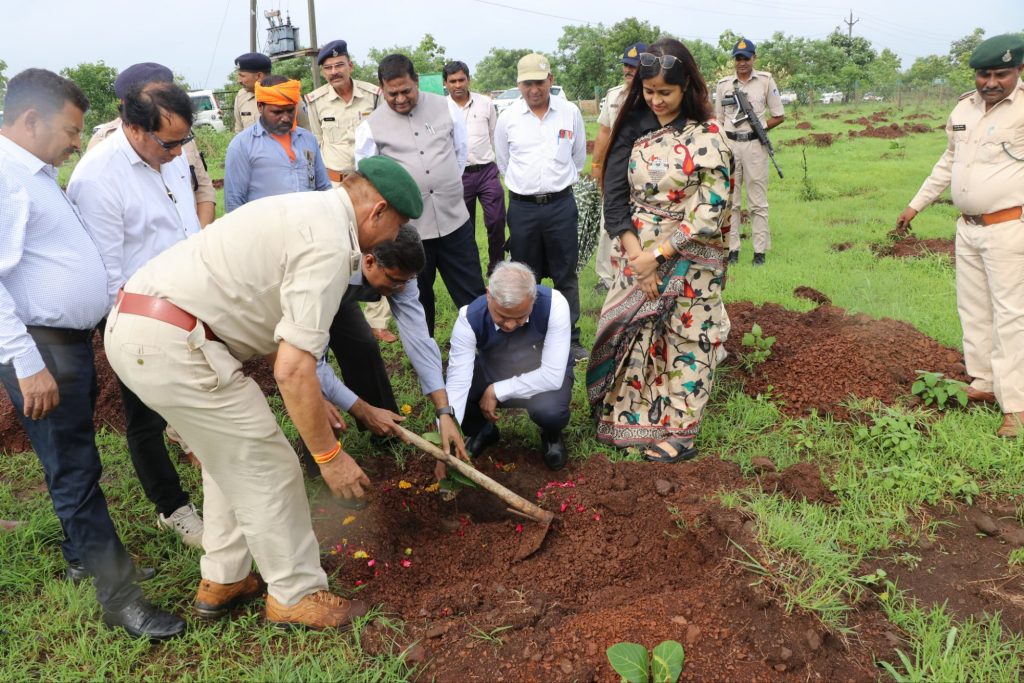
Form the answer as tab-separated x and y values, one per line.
252	25
313	42
849	25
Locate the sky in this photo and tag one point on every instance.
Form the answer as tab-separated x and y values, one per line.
199	39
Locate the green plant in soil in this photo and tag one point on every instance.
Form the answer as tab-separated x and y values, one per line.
631	662
760	348
935	389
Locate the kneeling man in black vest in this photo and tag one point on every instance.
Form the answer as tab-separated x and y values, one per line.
510	349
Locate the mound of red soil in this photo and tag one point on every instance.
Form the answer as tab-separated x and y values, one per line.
879	116
810	294
912	247
638	552
842	246
109	412
893	130
917	116
830	116
863	121
804	125
822	357
816	139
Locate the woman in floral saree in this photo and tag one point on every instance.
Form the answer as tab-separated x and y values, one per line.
667	183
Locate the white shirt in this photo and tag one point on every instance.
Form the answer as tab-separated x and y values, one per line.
132	211
536	155
481	117
366	146
548	377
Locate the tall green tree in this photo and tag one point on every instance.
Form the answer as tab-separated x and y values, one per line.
3	81
498	69
96	80
588	59
428	57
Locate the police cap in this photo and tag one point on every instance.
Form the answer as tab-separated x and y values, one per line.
394	184
253	61
335	48
744	48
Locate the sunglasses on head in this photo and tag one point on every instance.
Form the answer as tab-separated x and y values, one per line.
666	61
168	146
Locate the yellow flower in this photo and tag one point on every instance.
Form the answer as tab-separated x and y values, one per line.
406	409
348	520
433	488
408	551
360	555
404	484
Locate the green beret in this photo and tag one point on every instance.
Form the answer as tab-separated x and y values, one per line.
998	52
394	183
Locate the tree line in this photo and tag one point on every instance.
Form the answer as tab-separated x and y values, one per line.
586	62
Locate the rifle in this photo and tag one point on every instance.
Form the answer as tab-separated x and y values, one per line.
746	113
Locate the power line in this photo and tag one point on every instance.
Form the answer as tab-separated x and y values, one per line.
220	31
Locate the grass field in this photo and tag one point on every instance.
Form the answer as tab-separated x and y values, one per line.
816	555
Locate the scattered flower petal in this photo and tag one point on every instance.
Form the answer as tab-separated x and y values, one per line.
371	563
348	520
408	551
597	518
359	582
360	555
404	484
406	409
519	528
406	563
433	488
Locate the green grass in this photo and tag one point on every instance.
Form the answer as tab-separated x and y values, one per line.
817	557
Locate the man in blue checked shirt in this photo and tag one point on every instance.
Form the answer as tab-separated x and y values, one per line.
53	292
274	156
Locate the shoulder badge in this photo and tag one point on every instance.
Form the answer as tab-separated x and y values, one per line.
966	95
317	94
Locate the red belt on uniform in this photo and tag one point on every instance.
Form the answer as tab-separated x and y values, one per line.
335	176
1011	214
159	309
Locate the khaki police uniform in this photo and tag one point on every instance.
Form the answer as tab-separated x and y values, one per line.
202	185
334	122
246	112
751	157
605	266
274	269
983	167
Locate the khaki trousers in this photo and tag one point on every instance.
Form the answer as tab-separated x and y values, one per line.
751	170
254	501
377	313
607	249
990	300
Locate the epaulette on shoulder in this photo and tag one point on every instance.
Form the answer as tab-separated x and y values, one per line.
966	95
317	94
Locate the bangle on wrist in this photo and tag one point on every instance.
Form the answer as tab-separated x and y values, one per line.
324	458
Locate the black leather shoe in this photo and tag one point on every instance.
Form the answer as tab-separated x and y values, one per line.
734	256
77	573
478	443
555	453
758	260
142	620
578	352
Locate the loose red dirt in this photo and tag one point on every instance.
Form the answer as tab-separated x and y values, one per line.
912	247
822	357
816	139
638	552
804	125
109	412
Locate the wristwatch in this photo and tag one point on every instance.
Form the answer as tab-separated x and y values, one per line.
445	410
659	256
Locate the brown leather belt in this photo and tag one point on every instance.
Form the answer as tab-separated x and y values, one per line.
159	309
335	176
1011	214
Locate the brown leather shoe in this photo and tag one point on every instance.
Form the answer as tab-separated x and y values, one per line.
319	610
1013	425
213	600
976	396
385	335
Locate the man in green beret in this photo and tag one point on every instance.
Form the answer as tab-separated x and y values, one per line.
264	280
983	166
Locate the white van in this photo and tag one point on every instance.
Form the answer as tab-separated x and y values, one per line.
207	110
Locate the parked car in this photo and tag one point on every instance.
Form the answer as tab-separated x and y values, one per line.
788	97
872	97
832	97
507	98
207	109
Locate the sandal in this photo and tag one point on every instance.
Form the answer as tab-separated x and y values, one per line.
659	453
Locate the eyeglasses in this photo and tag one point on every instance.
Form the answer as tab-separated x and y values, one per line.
168	146
397	282
667	61
331	68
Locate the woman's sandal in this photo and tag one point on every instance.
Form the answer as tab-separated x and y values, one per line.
681	452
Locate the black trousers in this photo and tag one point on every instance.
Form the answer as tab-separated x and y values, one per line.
144	430
548	410
358	354
545	237
457	258
65	443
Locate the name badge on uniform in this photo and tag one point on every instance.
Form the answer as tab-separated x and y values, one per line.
565	134
959	127
246	113
354	260
327	118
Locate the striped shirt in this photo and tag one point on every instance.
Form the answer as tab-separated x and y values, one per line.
51	273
